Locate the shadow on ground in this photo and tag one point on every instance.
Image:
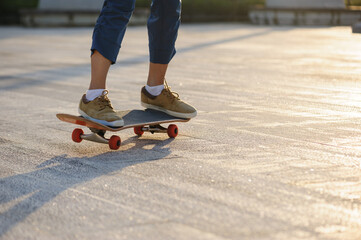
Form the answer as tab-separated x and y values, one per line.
25	193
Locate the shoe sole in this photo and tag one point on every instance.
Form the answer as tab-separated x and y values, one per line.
172	113
117	123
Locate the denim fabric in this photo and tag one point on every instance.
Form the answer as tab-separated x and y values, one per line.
163	24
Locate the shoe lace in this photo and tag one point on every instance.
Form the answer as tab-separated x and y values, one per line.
169	93
104	101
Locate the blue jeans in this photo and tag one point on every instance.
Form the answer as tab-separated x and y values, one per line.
163	25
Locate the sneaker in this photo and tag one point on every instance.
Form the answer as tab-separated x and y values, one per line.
100	110
168	102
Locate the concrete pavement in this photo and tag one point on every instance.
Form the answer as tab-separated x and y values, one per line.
274	154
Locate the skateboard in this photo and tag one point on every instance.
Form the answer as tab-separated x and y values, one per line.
147	120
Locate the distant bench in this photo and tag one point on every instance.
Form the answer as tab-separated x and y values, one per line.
306	17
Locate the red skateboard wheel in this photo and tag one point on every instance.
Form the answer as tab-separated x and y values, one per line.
172	131
76	135
138	130
114	142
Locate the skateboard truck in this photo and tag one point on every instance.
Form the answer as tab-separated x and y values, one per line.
96	136
153	129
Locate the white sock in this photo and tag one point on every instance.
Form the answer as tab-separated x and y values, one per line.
155	90
93	94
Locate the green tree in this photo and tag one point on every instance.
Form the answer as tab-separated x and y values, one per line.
15	5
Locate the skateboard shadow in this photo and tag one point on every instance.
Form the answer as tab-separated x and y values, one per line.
23	194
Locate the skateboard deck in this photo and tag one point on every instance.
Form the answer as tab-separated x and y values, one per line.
141	120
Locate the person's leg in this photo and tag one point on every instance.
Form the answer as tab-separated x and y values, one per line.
99	71
110	28
163	25
156	74
107	38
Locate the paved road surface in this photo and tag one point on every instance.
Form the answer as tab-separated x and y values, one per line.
275	152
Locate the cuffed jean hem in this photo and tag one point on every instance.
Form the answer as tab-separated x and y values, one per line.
161	56
107	48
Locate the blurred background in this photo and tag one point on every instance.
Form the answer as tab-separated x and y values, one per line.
193	10
73	13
